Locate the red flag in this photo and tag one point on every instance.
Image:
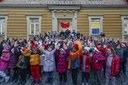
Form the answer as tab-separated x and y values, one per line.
1	0
127	1
65	25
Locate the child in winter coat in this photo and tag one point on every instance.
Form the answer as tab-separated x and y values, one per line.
49	62
4	60
85	65
112	66
34	65
74	60
97	65
62	64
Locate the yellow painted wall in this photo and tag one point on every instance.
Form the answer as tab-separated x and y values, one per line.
17	21
112	24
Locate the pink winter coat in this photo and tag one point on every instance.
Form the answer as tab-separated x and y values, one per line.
97	61
62	64
4	60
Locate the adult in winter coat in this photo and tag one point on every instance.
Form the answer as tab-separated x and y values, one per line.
112	67
4	60
97	65
62	64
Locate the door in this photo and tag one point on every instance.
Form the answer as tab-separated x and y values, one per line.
64	24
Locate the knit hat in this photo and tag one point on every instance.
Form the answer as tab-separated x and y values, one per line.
75	46
97	48
62	49
123	44
5	50
34	47
109	47
87	48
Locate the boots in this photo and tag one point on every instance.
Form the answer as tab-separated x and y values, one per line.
16	80
33	82
83	83
2	80
23	82
51	81
48	80
87	83
6	79
39	83
64	83
60	83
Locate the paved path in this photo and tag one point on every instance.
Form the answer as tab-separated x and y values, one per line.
120	81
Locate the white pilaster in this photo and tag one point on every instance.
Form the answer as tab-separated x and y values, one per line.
74	20
54	21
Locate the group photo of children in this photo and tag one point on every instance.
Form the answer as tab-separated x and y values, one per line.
64	58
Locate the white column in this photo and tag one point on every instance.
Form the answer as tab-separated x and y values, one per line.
75	21
54	21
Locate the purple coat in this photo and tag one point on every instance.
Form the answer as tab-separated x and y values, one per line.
4	60
97	61
13	61
62	64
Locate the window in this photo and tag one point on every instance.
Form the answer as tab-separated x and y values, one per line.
124	27
3	26
95	25
34	25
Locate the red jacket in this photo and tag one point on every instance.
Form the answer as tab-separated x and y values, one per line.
115	65
87	64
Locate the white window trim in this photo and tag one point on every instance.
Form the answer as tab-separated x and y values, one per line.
28	24
5	34
122	18
101	23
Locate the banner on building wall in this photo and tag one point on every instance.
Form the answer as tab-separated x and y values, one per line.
95	28
65	24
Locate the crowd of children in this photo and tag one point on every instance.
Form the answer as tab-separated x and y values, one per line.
60	52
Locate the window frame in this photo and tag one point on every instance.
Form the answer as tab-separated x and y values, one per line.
101	24
122	18
5	30
29	25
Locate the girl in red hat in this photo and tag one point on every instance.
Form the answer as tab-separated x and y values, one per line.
62	64
35	64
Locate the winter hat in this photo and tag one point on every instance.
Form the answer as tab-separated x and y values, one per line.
5	50
46	46
123	44
97	49
75	46
34	47
109	47
87	48
62	49
24	48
